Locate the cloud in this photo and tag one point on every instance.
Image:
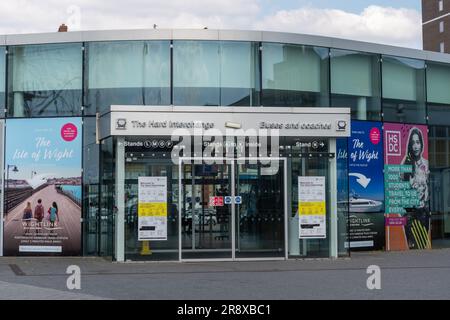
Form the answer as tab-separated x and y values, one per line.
24	16
387	25
401	27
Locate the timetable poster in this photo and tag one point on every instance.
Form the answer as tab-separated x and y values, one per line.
312	207
152	208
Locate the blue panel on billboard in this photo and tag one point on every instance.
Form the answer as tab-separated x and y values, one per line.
366	185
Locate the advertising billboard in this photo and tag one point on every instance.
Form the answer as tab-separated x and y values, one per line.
366	186
43	187
407	186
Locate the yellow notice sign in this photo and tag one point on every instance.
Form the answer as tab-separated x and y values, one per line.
152	209
312	208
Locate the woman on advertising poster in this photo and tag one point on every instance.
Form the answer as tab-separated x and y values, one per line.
418	217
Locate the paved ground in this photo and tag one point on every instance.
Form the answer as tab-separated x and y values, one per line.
406	275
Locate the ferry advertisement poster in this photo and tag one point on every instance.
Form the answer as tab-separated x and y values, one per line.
407	186
366	186
43	187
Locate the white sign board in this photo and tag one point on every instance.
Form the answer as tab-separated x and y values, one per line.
198	121
312	207
152	208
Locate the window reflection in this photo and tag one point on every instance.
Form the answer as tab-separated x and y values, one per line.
294	75
213	73
45	80
355	83
403	90
127	72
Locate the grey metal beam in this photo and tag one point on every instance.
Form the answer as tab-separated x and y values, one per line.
225	35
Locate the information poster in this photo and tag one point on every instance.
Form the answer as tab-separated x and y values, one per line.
407	187
152	208
312	207
366	186
43	187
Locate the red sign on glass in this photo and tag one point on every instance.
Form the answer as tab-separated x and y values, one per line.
216	201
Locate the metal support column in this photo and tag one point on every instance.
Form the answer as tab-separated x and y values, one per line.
120	200
333	201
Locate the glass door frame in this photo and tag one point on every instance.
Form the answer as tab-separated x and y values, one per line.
232	162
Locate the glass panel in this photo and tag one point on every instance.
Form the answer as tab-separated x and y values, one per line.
91	187
294	75
311	248
2	79
127	72
144	161
355	83
45	80
239	68
206	219
342	196
403	90
440	184
439	114
260	217
438	83
196	66
107	199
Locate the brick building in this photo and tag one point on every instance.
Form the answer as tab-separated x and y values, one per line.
436	25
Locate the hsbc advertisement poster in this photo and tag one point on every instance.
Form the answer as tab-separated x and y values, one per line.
43	187
407	186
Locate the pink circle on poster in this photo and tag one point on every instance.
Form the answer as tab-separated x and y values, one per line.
69	132
375	135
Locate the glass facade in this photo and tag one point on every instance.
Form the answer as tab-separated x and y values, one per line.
205	73
127	72
107	206
294	75
438	103
62	80
45	80
91	185
403	90
355	83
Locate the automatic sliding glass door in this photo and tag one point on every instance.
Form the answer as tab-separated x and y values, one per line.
206	218
260	213
233	210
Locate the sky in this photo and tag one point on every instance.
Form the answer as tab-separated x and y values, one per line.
395	22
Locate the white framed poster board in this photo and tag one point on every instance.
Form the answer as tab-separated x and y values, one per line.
152	208
312	208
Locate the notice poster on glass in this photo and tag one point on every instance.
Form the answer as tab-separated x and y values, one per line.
152	208
312	207
43	187
406	176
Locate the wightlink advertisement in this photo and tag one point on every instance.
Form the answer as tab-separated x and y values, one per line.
43	187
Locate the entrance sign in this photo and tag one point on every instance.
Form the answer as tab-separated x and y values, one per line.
312	207
197	120
152	208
